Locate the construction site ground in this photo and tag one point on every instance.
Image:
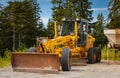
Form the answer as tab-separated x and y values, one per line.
98	70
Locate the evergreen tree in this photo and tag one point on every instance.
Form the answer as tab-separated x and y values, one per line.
1	32
41	29
20	24
30	23
81	8
114	15
50	28
71	9
98	32
58	9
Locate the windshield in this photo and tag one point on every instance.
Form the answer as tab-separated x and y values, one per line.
66	29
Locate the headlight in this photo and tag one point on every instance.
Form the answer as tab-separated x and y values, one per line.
77	19
63	19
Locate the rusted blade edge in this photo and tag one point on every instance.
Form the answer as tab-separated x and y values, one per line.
35	70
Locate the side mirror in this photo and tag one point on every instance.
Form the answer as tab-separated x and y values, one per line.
59	28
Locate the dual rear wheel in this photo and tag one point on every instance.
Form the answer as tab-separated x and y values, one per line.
94	55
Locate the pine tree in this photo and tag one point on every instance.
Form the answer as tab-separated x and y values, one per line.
98	32
6	30
81	8
1	32
20	23
41	29
58	9
114	15
50	28
71	9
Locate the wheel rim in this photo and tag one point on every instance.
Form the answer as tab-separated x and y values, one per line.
94	56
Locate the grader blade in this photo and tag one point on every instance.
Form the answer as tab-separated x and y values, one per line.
35	62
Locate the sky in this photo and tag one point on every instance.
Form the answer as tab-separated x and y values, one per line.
99	6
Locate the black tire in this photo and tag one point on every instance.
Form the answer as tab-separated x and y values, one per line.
98	54
66	59
91	56
32	49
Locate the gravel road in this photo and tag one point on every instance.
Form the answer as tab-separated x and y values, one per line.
100	70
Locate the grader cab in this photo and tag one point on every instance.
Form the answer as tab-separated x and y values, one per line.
71	40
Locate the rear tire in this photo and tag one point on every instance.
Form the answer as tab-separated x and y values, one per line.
66	59
98	54
91	56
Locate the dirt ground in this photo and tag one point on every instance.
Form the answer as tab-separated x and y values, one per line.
99	70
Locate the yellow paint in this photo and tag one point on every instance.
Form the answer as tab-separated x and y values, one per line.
55	45
55	29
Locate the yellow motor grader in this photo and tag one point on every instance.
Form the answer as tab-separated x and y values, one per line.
71	40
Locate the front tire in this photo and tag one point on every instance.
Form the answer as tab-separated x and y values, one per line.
92	56
66	59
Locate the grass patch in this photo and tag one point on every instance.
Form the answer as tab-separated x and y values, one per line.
111	54
6	60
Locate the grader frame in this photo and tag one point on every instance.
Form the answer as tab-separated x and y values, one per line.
51	53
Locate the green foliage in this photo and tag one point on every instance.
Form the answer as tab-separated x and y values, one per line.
41	29
71	9
114	15
7	54
101	40
21	24
6	60
22	48
110	54
50	29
